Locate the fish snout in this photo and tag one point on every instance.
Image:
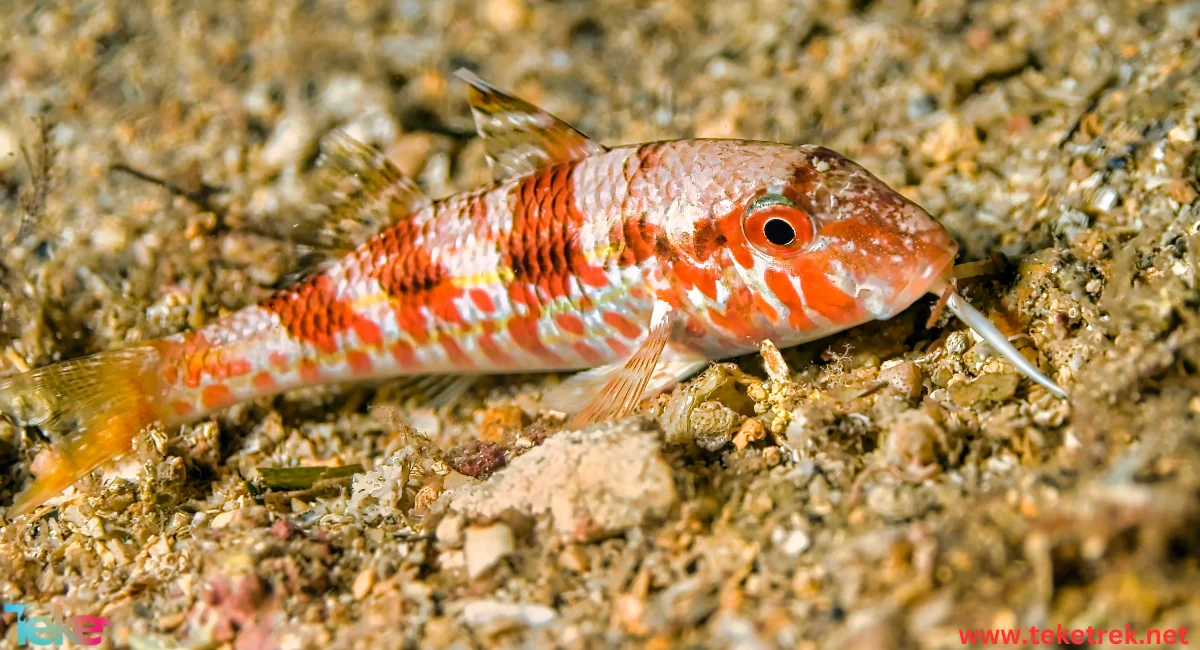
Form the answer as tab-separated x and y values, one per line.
930	268
897	277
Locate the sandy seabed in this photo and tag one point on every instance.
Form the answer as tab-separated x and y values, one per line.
882	488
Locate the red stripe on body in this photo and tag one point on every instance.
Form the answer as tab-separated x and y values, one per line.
264	382
311	312
214	364
368	332
408	275
482	300
588	353
238	367
728	231
215	396
195	370
704	279
405	354
359	362
824	297
781	285
626	327
454	352
544	252
416	284
737	318
617	347
641	240
189	356
570	323
310	372
491	349
541	249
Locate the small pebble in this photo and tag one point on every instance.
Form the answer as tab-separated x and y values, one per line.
493	613
592	483
791	543
505	15
9	149
777	368
573	558
363	583
283	529
501	422
751	431
905	377
1182	134
1103	200
713	425
222	520
292	138
991	387
449	530
485	546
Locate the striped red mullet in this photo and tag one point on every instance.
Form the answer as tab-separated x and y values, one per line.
642	263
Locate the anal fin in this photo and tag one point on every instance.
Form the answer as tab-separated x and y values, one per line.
434	391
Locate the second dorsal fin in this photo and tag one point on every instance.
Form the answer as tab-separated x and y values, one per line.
518	136
362	191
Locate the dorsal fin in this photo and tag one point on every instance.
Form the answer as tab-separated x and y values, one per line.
362	190
518	136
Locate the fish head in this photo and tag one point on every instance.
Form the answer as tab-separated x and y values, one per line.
842	231
812	243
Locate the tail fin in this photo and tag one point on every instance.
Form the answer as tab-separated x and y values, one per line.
107	398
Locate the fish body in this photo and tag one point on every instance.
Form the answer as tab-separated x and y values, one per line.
641	263
560	269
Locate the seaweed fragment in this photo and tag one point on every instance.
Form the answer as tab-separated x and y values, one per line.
199	193
275	479
33	195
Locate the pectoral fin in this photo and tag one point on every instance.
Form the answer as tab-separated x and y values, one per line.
614	391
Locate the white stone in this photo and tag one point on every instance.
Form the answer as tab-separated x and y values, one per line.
593	483
449	530
10	148
792	543
493	613
485	546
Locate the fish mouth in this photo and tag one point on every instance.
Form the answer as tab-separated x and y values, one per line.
929	277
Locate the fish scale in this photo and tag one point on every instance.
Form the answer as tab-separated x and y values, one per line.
414	299
641	263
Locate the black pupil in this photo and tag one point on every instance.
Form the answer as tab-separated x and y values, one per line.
779	232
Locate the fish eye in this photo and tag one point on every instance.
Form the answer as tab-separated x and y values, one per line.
776	226
779	232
